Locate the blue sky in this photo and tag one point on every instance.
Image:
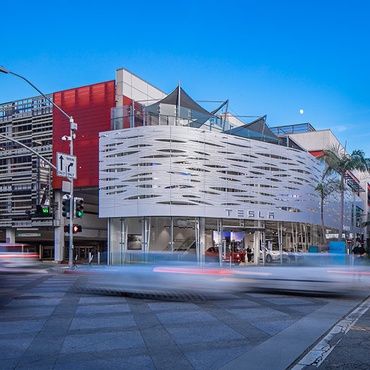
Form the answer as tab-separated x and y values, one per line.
267	57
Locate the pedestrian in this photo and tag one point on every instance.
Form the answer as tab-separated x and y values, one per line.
249	254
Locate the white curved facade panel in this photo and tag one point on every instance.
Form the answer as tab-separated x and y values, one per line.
181	171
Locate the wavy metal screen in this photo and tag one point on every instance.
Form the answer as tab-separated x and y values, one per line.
181	171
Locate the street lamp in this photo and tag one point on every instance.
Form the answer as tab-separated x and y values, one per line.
72	129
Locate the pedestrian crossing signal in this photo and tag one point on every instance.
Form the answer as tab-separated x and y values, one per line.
75	229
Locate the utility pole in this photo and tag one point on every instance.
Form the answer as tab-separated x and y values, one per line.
72	129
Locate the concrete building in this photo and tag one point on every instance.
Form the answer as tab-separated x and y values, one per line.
30	193
165	174
174	176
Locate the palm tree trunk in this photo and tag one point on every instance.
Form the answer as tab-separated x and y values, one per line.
341	206
322	220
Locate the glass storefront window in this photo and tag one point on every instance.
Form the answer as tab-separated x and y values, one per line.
160	234
184	235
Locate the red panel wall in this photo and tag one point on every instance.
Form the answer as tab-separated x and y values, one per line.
90	106
317	153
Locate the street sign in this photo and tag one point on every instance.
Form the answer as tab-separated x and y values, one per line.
66	165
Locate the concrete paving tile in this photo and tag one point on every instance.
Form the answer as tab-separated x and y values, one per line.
32	312
289	300
170	360
202	333
48	291
184	317
252	314
305	310
214	358
34	302
157	338
237	303
14	348
101	299
37	363
115	362
8	364
164	306
272	327
119	322
106	308
45	294
24	326
102	341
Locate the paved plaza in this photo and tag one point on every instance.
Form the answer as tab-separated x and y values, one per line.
46	324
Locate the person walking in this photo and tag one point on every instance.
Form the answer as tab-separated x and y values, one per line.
249	254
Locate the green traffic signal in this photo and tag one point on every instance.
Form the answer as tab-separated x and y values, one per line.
42	211
45	211
79	207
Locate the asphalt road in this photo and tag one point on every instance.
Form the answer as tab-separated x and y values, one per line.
46	324
353	350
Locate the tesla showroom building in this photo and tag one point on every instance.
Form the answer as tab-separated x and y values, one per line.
175	176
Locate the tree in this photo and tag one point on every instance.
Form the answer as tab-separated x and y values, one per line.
324	189
339	161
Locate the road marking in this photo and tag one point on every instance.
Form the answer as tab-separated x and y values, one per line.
321	351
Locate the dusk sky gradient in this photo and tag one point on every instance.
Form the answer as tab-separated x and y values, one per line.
267	57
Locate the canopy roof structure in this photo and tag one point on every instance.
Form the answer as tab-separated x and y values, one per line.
180	109
257	129
180	98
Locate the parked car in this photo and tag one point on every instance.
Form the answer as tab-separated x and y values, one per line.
212	254
273	255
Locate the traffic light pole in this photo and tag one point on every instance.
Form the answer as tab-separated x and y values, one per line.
71	199
72	129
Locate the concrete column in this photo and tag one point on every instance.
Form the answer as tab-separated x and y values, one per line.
117	240
10	236
58	243
256	246
58	228
202	239
145	233
219	242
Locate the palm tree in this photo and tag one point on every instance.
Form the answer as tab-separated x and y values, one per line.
324	188
339	161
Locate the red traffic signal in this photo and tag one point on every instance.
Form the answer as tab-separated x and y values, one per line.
75	229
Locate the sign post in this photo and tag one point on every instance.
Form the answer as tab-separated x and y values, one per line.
66	165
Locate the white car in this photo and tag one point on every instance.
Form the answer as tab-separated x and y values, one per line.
273	255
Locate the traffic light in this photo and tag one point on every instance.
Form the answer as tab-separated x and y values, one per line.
79	207
75	229
42	211
66	206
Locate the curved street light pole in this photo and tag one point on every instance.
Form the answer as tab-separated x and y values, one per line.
72	129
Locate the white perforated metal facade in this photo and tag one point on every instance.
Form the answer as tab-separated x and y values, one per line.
182	171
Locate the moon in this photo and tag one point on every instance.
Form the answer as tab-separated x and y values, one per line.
301	111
